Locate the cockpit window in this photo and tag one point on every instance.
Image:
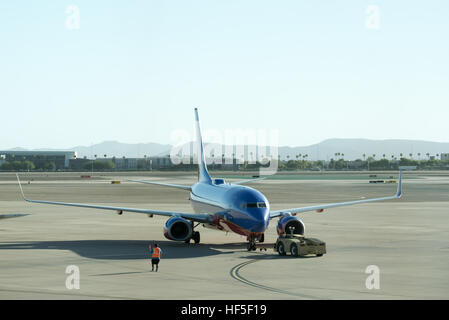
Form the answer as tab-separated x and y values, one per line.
253	205
219	181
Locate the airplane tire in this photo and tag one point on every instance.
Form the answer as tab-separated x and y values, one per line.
196	237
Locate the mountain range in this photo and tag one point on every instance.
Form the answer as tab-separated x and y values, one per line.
349	149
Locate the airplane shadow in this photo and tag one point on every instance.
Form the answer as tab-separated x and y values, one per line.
275	256
128	249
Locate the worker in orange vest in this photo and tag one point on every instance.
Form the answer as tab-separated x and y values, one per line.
155	256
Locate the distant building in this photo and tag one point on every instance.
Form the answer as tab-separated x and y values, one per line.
79	163
147	163
124	163
160	162
444	156
60	158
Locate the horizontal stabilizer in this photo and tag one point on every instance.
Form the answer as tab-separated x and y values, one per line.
248	180
163	184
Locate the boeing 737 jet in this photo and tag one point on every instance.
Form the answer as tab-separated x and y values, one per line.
224	206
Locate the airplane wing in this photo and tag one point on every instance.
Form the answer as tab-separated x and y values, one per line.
204	218
248	180
163	184
294	211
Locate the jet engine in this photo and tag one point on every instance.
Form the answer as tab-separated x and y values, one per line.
287	222
177	229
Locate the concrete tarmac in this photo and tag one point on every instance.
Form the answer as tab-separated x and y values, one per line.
407	239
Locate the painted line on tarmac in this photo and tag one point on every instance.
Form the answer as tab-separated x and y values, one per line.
235	273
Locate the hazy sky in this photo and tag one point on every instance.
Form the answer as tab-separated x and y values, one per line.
134	70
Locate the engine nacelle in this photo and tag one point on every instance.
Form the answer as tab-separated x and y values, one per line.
177	229
286	222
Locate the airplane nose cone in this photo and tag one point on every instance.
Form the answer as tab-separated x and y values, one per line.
260	221
258	227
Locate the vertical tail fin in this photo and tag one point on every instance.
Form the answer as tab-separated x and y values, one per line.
203	174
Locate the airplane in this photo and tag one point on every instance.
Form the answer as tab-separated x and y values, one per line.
219	205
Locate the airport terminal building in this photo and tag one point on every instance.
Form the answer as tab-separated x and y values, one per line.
60	158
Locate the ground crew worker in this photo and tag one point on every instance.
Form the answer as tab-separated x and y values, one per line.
155	256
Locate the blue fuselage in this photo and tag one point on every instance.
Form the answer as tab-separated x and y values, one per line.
235	208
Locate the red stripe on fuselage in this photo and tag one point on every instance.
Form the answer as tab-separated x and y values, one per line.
218	221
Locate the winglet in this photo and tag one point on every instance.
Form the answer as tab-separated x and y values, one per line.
20	186
399	193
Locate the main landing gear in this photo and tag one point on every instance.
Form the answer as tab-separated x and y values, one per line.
195	236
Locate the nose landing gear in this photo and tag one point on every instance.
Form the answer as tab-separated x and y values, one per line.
251	245
252	242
